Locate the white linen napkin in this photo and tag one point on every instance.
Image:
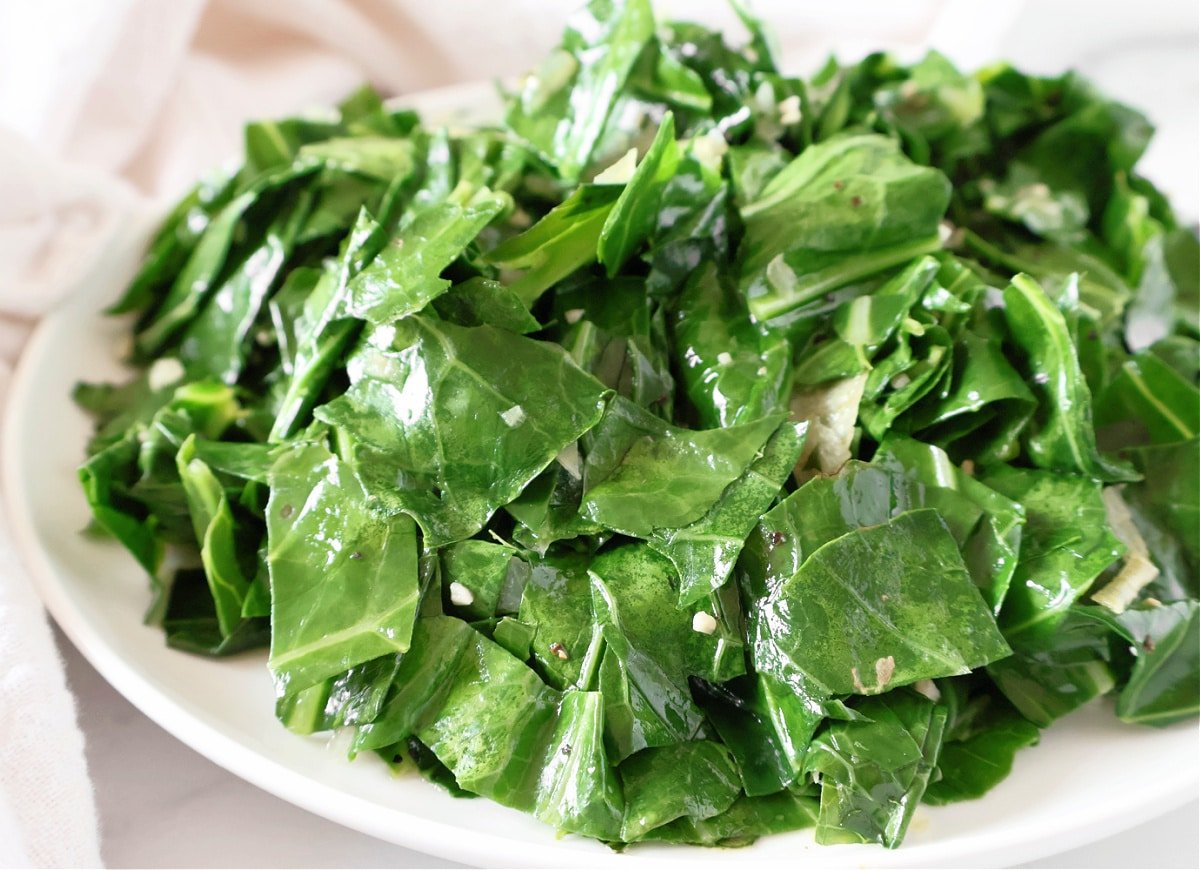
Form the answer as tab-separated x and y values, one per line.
110	108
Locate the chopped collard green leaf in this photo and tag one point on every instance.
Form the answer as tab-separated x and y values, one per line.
696	453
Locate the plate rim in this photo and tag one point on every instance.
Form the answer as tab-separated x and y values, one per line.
424	833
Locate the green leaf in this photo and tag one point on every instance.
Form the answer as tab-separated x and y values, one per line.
377	157
651	649
1164	686
733	369
1169	495
563	241
935	101
515	636
874	771
693	223
548	509
1155	397
855	201
343	579
979	754
747	819
272	145
578	790
1061	437
189	620
705	551
481	568
106	479
214	343
983	383
501	731
410	387
557	606
427	764
868	321
863	495
990	549
322	331
767	727
642	474
635	212
405	276
1065	544
217	534
1024	198
1057	673
236	459
492	724
618	335
175	240
878	608
198	277
350	699
693	780
423	679
481	302
600	48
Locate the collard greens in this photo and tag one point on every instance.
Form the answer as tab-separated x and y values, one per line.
701	452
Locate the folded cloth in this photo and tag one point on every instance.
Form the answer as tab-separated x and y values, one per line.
110	108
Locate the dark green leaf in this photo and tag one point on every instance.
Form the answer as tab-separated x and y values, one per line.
642	474
1164	686
343	579
705	551
1058	673
405	276
734	370
410	387
695	780
975	759
878	608
874	771
635	212
842	210
1061	437
1065	544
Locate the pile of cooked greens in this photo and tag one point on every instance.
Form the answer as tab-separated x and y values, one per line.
699	453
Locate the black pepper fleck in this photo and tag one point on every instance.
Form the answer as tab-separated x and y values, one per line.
286	511
856	201
566	749
357	554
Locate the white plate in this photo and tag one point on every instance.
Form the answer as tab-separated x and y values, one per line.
1090	777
